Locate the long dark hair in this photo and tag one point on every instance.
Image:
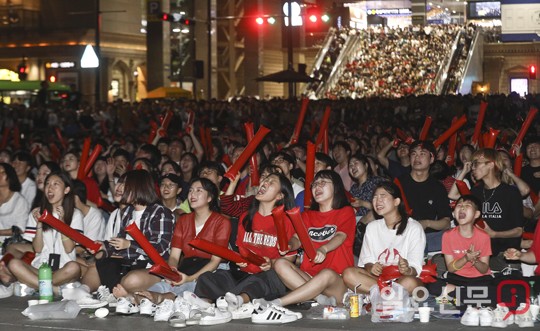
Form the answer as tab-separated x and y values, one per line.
362	158
13	180
395	192
212	190
340	198
68	203
287	201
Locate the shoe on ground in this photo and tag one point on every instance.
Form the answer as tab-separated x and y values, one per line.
164	311
471	317
214	316
222	304
272	314
233	301
126	307
523	316
91	303
75	293
6	291
147	307
104	294
486	316
501	317
178	320
242	312
22	290
194	300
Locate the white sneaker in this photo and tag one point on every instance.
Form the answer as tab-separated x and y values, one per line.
125	306
91	303
193	299
22	290
232	301
6	291
523	318
272	314
244	311
501	316
222	304
214	316
179	317
75	293
486	316
103	294
164	311
471	317
147	307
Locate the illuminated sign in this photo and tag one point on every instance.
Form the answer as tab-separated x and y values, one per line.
61	65
390	11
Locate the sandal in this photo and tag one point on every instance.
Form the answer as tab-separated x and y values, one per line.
195	316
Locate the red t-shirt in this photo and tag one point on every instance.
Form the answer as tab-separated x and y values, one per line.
322	227
263	239
216	229
454	244
535	248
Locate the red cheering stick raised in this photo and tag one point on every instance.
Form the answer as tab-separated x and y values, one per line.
492	138
299	121
405	202
310	173
92	159
84	158
222	252
326	145
105	205
248	126
462	187
279	222
324	126
425	128
202	134
68	231
448	133
60	137
167	120
518	164
190	121
5	138
16	137
248	151
153	132
451	156
250	256
404	137
534	197
479	121
524	127
301	231
209	144
164	269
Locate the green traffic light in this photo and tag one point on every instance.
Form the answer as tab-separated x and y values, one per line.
271	20
325	18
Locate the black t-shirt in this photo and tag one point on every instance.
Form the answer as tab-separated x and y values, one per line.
528	175
427	199
396	169
502	210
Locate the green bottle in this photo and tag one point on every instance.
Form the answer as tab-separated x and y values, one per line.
45	282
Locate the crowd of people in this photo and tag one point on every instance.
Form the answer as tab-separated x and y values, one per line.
376	202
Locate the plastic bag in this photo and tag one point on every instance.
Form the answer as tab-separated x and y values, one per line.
393	305
55	310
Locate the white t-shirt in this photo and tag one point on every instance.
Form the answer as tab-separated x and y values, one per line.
14	212
94	224
28	190
137	214
113	225
52	242
381	244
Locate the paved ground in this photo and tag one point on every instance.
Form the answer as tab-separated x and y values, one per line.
12	319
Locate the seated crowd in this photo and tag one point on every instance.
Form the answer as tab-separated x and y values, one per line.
375	202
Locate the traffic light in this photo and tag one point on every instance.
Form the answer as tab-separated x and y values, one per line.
532	72
52	78
176	17
22	70
315	19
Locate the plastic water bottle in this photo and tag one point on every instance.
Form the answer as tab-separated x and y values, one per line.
45	282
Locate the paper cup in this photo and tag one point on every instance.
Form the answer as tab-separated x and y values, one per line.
33	303
423	312
534	310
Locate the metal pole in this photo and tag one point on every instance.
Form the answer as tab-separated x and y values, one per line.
98	53
209	46
290	47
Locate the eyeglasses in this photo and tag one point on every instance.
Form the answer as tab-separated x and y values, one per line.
320	183
169	185
475	163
